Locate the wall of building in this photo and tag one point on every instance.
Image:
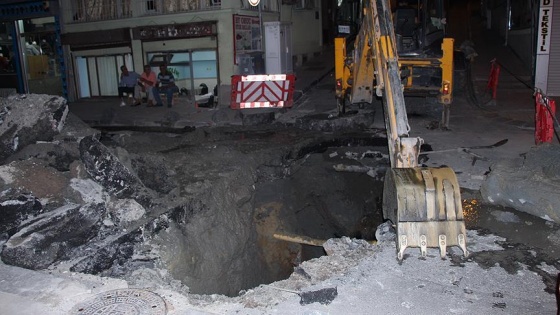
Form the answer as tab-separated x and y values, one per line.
224	40
306	32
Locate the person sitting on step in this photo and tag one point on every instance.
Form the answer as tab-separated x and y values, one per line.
148	82
165	85
129	84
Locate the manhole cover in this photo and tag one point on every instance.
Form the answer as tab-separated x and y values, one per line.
123	302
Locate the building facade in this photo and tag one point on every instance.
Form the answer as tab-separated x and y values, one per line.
201	41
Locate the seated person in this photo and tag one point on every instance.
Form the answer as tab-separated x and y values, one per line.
148	82
129	85
203	89
4	63
165	85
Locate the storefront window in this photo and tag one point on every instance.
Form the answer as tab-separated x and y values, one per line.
39	41
191	69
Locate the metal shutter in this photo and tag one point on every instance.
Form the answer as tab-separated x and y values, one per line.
553	83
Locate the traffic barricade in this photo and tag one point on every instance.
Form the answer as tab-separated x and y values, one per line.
262	91
493	79
544	118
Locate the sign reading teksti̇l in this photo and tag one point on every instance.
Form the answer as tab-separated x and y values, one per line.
545	23
542	63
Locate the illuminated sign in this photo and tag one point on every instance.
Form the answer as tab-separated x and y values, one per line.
542	62
545	23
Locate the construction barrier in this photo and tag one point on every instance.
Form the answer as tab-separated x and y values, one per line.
544	118
493	79
262	91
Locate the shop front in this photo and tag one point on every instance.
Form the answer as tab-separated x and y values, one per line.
30	51
189	50
97	58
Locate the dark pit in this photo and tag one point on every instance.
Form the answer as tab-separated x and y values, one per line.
233	247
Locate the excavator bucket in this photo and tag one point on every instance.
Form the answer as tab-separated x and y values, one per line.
424	204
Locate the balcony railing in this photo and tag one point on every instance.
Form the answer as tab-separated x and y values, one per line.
101	10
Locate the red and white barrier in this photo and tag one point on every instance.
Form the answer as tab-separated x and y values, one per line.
262	91
544	118
493	79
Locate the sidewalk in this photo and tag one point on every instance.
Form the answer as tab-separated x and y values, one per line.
108	112
514	103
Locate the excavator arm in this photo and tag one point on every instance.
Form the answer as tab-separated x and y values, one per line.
423	203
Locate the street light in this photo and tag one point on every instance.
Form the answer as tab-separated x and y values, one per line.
254	3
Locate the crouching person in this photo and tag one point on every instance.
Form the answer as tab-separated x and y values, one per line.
148	82
129	84
165	85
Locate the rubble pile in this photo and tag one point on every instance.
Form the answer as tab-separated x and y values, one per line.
529	183
68	201
26	119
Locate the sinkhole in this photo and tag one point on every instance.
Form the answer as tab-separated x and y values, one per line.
328	190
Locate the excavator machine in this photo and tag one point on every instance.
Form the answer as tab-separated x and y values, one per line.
425	53
423	203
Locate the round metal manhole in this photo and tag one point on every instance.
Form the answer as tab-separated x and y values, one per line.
123	302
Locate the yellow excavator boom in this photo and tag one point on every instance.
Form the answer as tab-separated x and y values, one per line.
423	203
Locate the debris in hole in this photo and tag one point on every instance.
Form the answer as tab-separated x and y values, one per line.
301	271
385	232
324	296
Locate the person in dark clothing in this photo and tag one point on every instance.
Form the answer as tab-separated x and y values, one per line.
165	85
203	89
